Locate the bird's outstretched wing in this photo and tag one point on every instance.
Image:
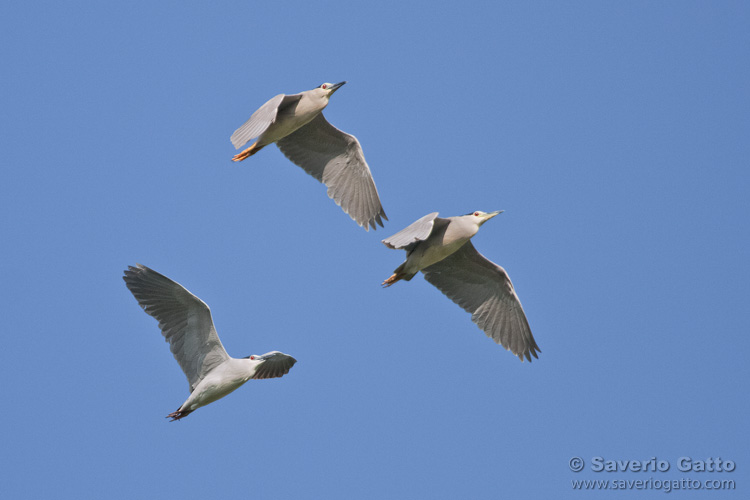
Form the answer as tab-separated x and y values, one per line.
184	319
262	119
412	234
483	288
277	364
336	159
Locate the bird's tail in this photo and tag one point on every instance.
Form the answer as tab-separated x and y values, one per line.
176	415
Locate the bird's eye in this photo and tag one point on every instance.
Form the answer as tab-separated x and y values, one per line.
323	86
476	214
252	357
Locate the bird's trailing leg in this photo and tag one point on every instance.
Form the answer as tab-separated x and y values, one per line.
394	278
248	152
176	415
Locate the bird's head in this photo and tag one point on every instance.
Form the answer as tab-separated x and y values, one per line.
480	217
327	89
259	358
271	364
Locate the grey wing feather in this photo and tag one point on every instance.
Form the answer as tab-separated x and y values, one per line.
184	319
260	120
409	236
336	159
484	289
277	365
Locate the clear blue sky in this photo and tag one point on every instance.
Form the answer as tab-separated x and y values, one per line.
614	135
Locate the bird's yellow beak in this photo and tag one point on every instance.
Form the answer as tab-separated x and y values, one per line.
490	215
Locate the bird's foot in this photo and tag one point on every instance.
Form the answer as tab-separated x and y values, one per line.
247	153
177	415
394	278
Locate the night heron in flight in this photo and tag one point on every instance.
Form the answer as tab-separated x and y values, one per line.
441	249
185	321
297	125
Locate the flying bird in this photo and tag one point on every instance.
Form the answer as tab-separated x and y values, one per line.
297	125
185	321
442	250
